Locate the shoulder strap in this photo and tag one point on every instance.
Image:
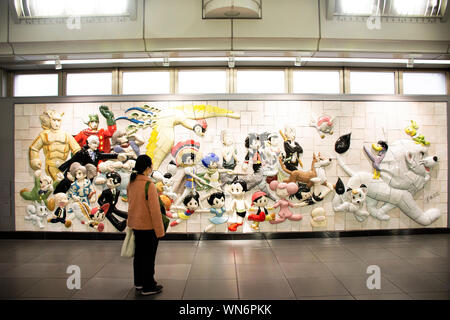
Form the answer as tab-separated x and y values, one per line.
147	185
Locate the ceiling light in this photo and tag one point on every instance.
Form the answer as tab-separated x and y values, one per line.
231	9
297	61
388	8
200	59
410	7
104	61
355	7
273	59
67	8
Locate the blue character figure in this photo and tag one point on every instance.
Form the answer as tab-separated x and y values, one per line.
217	203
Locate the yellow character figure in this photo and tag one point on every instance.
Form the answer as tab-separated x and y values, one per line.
55	143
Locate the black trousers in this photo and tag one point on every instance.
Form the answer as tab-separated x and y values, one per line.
146	244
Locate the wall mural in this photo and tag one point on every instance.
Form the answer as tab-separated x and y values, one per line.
234	166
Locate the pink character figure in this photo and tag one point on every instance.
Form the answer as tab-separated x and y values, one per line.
283	191
324	125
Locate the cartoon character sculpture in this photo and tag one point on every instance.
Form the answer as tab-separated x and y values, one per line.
259	200
191	203
127	145
166	181
89	154
284	190
381	147
350	200
104	168
324	125
239	206
81	191
413	131
217	203
318	218
404	171
43	188
36	213
97	216
211	175
185	154
125	173
60	214
103	134
317	170
56	144
272	151
164	121
229	152
254	154
110	196
292	149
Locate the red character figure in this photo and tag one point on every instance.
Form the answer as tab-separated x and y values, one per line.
259	200
103	134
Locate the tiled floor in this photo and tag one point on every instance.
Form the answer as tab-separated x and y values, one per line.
412	267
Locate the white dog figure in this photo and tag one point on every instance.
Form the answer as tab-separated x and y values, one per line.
36	213
404	171
352	201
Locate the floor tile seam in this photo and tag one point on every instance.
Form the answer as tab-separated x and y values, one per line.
339	280
26	289
428	292
395	254
237	276
190	270
284	274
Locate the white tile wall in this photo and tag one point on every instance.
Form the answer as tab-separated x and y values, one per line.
367	121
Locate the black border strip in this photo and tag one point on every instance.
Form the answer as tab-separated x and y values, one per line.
35	235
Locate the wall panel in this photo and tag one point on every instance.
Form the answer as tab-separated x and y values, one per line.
368	122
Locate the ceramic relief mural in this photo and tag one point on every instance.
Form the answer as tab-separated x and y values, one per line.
234	166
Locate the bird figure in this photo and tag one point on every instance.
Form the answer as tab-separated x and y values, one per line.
381	148
163	122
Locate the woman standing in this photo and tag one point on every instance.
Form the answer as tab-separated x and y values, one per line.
144	217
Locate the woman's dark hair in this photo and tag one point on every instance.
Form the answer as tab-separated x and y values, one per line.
215	195
191	196
142	163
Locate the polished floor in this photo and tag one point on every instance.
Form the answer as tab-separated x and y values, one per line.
412	267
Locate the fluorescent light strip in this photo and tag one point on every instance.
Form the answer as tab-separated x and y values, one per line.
104	61
199	59
249	59
281	59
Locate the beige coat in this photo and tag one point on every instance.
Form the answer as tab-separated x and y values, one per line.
144	214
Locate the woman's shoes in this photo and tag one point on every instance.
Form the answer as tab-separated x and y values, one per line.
157	289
